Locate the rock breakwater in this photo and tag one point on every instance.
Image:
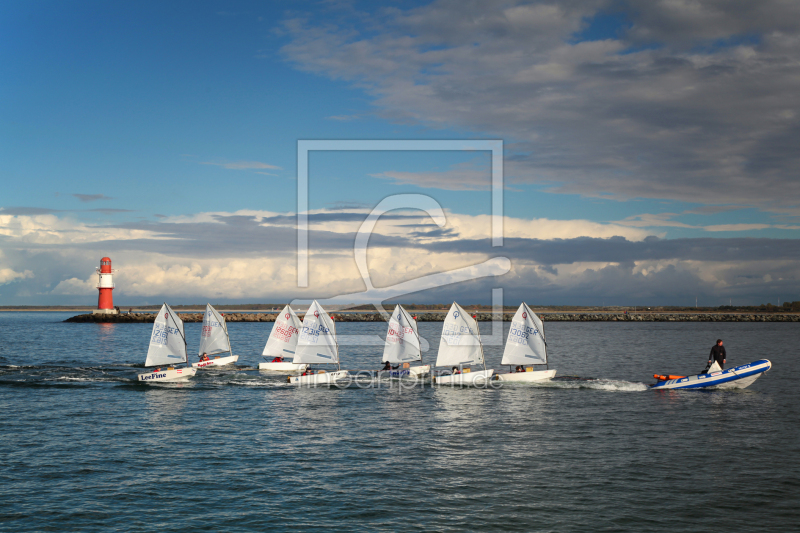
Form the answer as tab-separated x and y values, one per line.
483	317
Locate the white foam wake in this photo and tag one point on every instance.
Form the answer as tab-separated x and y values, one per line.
612	385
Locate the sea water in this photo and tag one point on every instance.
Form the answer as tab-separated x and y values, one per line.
84	447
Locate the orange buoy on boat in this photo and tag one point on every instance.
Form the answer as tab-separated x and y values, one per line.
667	377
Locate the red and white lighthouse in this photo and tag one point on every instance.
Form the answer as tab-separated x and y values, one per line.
105	301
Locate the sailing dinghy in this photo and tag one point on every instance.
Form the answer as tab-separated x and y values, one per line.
167	347
214	339
282	343
738	377
402	346
526	346
317	345
460	345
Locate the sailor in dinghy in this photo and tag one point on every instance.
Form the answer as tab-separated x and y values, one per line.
317	345
461	345
402	347
282	343
525	345
214	339
167	348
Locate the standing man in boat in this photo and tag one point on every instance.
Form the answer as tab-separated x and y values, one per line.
717	354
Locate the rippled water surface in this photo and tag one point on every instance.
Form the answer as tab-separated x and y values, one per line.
85	447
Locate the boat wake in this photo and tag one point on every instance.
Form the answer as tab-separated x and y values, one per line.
575	382
246	376
242	380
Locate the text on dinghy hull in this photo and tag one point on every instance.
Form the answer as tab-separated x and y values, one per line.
175	374
218	361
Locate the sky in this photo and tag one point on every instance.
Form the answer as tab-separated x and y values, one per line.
650	150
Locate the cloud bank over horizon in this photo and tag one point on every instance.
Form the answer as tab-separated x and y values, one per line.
249	256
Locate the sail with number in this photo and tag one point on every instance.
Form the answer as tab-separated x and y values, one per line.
283	338
167	342
317	340
214	336
402	338
460	343
526	343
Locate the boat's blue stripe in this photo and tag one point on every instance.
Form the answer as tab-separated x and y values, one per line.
719	380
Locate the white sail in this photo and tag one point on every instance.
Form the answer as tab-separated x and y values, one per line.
214	336
283	338
525	344
317	341
167	342
461	342
402	338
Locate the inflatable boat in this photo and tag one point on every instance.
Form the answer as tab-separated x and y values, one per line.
738	377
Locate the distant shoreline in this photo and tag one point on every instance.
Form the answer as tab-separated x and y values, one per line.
667	310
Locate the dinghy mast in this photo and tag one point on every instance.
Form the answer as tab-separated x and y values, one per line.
416	332
480	342
544	338
183	334
336	342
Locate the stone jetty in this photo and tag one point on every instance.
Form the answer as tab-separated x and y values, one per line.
483	317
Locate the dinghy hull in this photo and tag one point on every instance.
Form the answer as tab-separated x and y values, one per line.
219	361
176	374
738	377
282	367
527	377
414	372
419	371
475	379
325	378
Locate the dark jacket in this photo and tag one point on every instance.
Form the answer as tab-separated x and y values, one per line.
717	354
